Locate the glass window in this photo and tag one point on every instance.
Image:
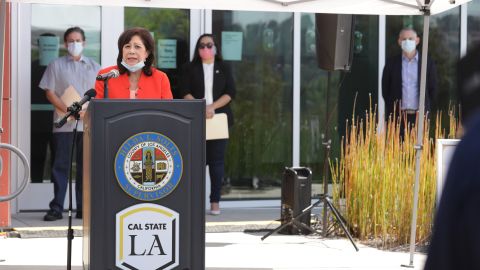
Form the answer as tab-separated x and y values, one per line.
444	49
171	31
259	48
473	21
49	23
346	91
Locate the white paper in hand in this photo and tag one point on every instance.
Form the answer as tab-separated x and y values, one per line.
70	95
217	127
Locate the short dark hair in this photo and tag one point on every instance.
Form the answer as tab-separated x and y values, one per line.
407	29
73	29
196	55
147	40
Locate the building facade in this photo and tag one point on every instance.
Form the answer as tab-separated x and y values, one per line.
285	108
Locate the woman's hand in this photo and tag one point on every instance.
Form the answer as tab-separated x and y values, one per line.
209	111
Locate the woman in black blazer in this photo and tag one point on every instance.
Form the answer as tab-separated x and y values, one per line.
208	77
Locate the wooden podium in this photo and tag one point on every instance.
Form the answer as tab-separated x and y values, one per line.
144	185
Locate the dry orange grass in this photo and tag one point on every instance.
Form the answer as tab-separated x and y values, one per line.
375	176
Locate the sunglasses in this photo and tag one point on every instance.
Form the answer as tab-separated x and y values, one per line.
207	45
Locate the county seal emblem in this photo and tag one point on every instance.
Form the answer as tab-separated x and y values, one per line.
148	166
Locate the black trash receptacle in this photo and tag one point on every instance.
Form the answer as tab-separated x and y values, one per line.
296	196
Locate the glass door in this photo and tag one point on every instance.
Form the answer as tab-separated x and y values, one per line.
170	29
47	26
259	48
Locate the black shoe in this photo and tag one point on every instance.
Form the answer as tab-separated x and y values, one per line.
79	214
52	215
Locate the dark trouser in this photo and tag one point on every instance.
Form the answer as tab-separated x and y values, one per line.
407	119
62	142
216	165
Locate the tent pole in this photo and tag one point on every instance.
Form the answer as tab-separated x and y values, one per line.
419	145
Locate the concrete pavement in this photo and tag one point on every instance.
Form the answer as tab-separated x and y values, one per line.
233	242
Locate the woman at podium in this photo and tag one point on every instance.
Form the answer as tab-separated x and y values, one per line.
208	77
134	77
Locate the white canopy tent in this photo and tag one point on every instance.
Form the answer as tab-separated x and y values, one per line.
366	7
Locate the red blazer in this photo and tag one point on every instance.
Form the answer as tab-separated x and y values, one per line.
156	86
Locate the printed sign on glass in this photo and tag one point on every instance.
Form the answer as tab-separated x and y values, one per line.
167	53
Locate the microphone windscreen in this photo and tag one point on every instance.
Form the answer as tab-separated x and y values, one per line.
115	72
91	93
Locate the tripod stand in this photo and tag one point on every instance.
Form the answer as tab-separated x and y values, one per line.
295	221
326	142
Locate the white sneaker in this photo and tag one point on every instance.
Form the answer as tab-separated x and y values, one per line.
214	205
214	212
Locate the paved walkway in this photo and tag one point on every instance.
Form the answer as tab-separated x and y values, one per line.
233	242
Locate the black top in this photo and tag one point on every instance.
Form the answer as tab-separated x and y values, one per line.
192	82
468	75
456	235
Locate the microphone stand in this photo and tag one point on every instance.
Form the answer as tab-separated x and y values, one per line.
72	111
105	88
76	114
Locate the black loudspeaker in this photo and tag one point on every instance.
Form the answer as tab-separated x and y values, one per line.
296	196
334	41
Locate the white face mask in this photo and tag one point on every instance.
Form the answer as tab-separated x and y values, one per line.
408	45
135	67
75	48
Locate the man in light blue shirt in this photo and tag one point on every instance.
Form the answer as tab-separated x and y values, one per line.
401	80
410	82
71	72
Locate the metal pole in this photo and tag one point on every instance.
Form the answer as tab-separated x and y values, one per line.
419	146
3	32
326	144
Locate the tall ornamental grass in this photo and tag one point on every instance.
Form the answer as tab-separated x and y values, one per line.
374	179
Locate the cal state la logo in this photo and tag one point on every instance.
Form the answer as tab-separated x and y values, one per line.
147	237
148	166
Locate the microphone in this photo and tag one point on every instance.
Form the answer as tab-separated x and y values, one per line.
111	74
76	107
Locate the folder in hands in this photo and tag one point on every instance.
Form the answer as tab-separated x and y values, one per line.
217	127
70	95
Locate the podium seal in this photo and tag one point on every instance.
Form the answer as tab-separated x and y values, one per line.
148	166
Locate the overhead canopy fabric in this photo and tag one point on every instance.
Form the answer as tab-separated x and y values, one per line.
367	7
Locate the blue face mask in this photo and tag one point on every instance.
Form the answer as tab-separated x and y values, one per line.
408	45
135	67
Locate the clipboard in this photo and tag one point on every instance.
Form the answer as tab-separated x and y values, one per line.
217	127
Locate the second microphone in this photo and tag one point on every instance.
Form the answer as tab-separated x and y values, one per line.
111	74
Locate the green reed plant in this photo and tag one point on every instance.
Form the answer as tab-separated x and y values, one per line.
374	178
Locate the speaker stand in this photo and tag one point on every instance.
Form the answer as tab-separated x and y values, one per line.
326	142
295	220
327	204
